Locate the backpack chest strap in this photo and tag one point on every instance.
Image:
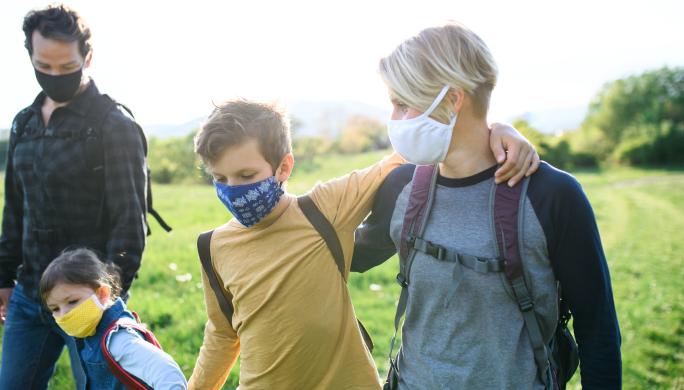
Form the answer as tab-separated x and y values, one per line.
481	265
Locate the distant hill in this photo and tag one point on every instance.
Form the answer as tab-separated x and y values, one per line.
166	131
555	120
326	118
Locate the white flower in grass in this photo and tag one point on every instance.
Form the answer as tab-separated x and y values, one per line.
173	266
184	278
375	287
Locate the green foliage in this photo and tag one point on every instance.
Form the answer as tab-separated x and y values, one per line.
173	160
555	149
306	149
637	115
4	145
363	134
640	214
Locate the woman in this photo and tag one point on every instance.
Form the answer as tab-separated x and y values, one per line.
464	326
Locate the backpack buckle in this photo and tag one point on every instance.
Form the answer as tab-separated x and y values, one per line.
436	251
401	279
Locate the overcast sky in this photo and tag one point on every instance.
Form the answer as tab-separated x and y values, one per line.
169	62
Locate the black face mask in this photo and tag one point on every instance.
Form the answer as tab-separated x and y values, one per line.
60	88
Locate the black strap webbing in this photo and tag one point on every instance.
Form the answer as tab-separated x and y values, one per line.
324	228
223	297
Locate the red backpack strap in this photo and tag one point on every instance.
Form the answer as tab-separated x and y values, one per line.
418	199
508	204
128	380
415	218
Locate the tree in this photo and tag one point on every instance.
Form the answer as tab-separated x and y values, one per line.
363	134
638	107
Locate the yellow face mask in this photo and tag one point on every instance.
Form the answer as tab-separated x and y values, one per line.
82	320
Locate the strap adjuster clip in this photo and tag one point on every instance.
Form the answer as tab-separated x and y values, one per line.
401	279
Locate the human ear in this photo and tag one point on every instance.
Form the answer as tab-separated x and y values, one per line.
285	168
104	294
88	58
458	96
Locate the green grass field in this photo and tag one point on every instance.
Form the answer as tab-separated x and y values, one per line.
641	218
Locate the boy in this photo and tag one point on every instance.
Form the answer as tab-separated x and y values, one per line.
293	321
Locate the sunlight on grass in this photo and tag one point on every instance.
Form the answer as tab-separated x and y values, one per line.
640	214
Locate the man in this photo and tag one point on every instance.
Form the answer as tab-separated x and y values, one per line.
76	176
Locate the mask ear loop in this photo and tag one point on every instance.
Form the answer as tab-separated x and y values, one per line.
437	101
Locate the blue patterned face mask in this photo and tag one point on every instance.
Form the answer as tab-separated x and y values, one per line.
250	203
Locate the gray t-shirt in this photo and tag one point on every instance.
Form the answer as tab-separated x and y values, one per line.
463	329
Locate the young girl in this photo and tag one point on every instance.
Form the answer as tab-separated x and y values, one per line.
82	293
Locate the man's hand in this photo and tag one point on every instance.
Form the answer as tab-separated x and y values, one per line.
515	152
5	294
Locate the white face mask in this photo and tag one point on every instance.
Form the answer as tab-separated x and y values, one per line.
422	140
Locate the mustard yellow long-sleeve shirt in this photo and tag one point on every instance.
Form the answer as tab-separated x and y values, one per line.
294	324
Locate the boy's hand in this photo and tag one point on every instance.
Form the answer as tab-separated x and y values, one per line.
515	152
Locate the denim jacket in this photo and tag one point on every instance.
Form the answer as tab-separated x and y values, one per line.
99	376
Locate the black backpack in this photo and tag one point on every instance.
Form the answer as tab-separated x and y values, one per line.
102	106
322	226
557	361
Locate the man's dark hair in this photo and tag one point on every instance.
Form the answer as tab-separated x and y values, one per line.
57	22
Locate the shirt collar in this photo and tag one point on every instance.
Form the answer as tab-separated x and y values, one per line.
79	104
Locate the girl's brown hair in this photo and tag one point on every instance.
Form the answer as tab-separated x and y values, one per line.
80	266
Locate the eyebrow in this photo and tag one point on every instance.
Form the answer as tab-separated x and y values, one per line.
70	63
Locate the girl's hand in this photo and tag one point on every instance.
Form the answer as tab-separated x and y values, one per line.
515	152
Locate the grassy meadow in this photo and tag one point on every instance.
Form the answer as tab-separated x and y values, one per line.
640	214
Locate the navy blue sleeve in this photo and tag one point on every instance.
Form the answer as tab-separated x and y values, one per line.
580	266
373	245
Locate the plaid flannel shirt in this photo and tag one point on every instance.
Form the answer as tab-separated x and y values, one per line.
55	200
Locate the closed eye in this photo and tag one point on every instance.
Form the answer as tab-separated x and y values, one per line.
220	179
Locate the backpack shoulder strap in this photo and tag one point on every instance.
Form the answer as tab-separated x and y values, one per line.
19	125
129	380
416	215
103	106
223	297
324	228
507	217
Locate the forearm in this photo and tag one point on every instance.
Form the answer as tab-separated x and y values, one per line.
147	362
217	357
581	268
220	348
12	225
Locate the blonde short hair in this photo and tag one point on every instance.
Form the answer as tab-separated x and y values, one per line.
451	55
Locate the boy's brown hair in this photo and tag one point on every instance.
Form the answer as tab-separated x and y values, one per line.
233	122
